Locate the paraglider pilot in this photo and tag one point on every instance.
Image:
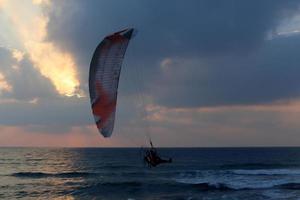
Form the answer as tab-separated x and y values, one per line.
153	159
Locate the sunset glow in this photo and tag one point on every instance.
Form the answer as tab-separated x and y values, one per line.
30	24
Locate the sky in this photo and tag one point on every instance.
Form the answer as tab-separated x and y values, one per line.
198	73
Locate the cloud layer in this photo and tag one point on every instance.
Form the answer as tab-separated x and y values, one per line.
189	57
30	27
218	51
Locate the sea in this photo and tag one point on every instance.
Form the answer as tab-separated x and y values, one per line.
119	173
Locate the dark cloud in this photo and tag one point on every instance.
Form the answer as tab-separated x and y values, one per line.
6	59
33	101
169	27
60	111
264	76
27	83
229	36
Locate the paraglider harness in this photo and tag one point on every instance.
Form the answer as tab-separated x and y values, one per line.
152	159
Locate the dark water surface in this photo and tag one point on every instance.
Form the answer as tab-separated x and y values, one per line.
118	173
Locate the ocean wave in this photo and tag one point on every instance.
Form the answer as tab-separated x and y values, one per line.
98	188
255	166
205	185
45	175
271	172
118	167
291	186
243	179
209	186
123	184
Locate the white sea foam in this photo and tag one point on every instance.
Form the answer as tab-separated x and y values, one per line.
240	179
267	172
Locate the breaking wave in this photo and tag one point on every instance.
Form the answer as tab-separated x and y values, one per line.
267	172
207	186
242	179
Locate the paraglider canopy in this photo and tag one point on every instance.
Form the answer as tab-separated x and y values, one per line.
104	77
